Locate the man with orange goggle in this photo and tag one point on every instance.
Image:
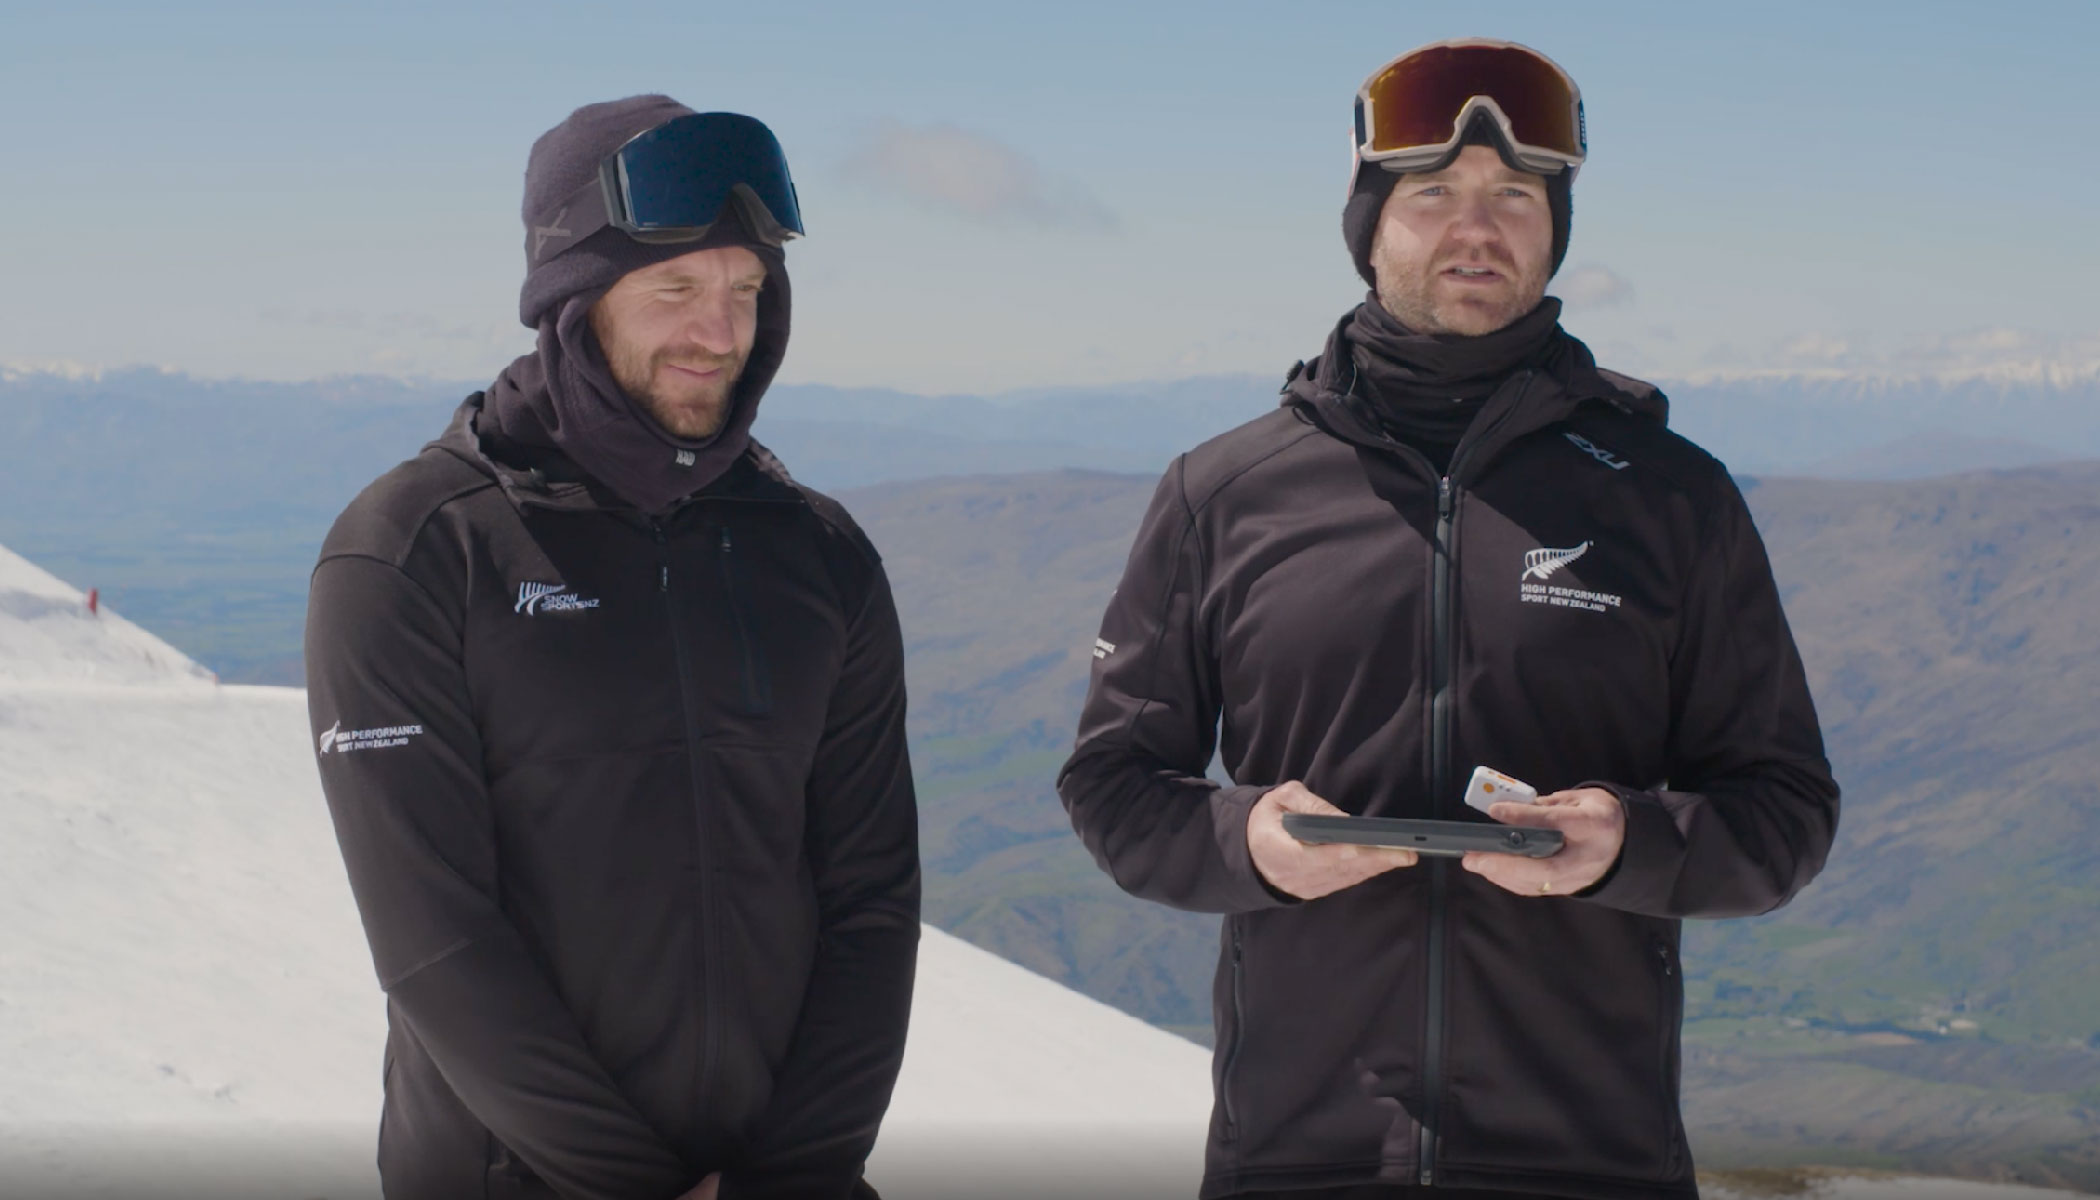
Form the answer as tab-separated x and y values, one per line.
1458	543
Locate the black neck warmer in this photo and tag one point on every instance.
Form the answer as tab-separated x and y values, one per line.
1425	389
563	397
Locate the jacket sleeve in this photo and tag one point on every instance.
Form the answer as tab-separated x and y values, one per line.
412	816
831	1091
1135	786
1750	809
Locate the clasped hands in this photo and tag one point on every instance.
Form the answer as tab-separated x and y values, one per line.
1590	819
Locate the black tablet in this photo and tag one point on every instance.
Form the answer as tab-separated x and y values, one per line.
1447	838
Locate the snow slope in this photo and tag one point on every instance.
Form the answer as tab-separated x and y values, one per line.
184	985
47	636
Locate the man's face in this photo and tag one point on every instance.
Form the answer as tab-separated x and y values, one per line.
676	335
1464	250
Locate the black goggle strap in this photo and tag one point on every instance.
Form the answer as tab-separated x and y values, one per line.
591	208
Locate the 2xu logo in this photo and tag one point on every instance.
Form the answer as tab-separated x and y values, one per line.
1598	452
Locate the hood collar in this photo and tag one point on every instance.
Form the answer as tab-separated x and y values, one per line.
542	477
1530	399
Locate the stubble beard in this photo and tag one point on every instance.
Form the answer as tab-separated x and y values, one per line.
694	410
1408	292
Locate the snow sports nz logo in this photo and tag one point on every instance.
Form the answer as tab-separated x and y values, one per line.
337	740
537	598
1544	563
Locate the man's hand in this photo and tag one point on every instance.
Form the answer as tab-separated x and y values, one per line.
1592	821
1309	872
705	1189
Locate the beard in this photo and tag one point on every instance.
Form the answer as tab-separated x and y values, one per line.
1419	296
686	407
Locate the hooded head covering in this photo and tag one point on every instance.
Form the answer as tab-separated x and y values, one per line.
1373	184
562	395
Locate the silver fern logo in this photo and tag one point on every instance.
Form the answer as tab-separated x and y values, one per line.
537	598
328	737
1542	563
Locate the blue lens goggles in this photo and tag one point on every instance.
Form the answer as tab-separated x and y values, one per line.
673	182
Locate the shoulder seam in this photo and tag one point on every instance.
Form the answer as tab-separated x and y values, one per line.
400	569
415	534
1242	469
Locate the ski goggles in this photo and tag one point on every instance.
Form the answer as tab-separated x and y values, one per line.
673	182
1412	113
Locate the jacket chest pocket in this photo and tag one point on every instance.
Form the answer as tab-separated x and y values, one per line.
752	695
757	637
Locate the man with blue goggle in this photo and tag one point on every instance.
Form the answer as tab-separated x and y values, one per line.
642	885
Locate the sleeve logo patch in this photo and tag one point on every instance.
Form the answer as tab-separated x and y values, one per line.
1103	648
337	740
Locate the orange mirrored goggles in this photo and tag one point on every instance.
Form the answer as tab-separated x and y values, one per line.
1412	113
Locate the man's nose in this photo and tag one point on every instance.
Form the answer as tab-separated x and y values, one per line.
1475	221
710	325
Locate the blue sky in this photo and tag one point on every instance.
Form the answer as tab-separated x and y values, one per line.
1013	196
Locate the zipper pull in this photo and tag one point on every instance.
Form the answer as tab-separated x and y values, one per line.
663	577
1669	968
1443	496
725	539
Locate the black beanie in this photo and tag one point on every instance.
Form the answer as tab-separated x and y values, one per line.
1373	184
564	159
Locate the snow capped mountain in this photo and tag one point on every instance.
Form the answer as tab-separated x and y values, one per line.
185	990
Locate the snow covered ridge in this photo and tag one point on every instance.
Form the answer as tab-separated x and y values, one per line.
49	636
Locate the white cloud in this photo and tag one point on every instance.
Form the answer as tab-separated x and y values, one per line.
13	369
959	171
1593	286
414	326
1819	350
1995	353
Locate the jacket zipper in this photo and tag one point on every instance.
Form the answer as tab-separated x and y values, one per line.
703	843
1440	668
1443	669
1232	1048
758	685
1670	1010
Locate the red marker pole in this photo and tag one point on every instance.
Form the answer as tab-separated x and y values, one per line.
94	601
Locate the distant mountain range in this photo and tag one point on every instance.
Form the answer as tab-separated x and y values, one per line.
145	434
197	505
1929	1003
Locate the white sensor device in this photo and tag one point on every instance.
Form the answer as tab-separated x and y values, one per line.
1489	786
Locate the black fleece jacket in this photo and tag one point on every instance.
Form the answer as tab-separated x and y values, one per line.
628	817
1582	598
